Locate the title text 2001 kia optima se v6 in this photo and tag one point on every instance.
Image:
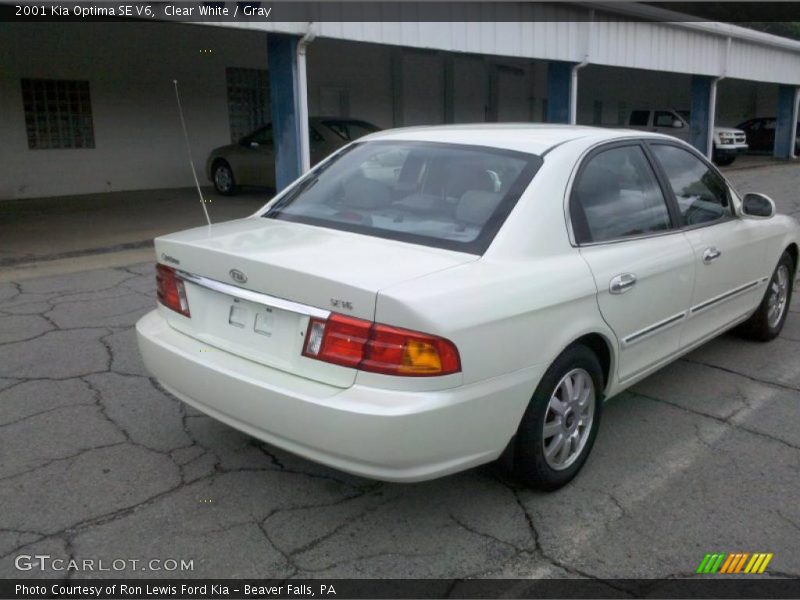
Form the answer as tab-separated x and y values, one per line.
427	300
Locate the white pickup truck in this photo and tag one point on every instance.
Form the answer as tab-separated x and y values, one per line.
728	142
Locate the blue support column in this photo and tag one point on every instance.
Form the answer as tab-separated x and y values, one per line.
699	131
786	126
559	77
282	61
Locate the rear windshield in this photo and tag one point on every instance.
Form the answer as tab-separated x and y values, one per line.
442	195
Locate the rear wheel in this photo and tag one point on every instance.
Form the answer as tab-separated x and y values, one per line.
560	424
767	322
222	175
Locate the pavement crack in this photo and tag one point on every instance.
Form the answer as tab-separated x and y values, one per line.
738	374
483	534
789	521
261	446
44	412
59	459
725	421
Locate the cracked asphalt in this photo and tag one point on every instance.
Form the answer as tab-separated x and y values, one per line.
98	462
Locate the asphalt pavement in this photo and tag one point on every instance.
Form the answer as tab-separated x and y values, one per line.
97	462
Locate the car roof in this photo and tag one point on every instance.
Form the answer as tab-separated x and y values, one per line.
535	138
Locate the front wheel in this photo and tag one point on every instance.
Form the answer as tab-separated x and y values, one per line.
723	160
222	175
561	422
767	322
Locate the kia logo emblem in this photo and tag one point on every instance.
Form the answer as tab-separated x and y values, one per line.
237	276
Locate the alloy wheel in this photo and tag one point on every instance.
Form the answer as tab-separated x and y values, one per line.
568	419
778	294
223	179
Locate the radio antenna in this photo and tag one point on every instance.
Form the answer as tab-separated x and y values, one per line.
189	152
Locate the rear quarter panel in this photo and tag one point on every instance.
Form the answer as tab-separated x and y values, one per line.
503	316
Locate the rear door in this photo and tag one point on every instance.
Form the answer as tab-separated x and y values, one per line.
729	253
642	264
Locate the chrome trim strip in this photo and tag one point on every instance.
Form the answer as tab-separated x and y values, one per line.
726	296
680	352
655	328
250	296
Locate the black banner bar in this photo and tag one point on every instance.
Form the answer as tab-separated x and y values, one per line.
373	11
222	589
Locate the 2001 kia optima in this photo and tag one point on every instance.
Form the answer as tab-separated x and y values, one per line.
430	299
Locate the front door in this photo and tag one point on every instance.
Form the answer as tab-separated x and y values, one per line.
642	263
729	254
256	159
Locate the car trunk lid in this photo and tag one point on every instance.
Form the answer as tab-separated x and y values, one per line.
234	269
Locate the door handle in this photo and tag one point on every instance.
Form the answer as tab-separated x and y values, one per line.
710	255
622	283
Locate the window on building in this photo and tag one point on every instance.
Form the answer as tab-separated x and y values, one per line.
58	114
248	100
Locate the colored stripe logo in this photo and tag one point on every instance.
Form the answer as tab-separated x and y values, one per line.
734	562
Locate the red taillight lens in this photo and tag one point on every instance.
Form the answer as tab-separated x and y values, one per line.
368	346
171	290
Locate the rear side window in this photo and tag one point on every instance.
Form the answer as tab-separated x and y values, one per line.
701	193
639	118
443	195
663	118
616	196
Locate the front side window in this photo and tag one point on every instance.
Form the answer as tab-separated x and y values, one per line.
441	195
701	193
349	130
262	137
617	195
664	118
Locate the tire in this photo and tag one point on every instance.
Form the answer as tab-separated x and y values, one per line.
767	322
222	176
723	160
531	464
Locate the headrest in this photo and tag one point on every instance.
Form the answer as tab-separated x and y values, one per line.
361	192
475	207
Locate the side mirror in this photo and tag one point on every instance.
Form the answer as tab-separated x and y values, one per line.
677	123
759	206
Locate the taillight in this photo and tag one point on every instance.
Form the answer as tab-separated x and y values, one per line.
378	348
171	290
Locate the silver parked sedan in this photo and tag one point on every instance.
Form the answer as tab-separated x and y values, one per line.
251	161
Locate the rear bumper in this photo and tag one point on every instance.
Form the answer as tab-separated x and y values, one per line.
382	434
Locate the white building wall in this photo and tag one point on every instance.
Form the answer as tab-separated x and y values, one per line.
130	69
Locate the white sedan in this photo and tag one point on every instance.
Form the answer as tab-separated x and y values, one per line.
430	299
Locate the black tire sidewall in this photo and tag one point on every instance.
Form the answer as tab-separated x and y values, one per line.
773	332
530	465
757	327
223	165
